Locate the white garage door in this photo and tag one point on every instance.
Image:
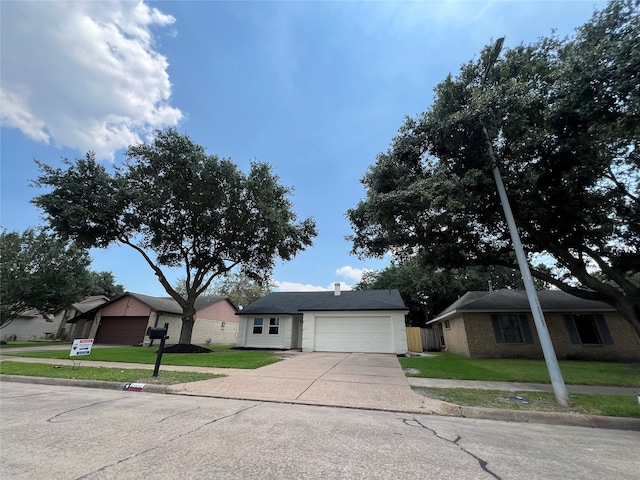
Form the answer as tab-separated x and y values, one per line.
346	334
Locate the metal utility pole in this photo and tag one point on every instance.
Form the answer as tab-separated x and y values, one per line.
559	388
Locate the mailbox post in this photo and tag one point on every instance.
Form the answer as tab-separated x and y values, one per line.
155	333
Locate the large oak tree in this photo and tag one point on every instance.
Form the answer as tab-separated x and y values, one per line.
564	119
428	290
178	207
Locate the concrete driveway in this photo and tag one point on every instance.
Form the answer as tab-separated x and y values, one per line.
353	380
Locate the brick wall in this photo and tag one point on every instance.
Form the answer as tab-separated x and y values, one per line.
455	338
481	341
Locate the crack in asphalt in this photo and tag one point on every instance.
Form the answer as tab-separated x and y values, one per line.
52	419
155	447
177	414
414	422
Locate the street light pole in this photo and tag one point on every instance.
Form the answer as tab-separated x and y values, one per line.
559	388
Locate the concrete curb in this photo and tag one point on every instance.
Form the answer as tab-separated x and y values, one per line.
68	382
519	416
552	418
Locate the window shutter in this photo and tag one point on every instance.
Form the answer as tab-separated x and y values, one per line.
497	329
571	328
526	331
605	334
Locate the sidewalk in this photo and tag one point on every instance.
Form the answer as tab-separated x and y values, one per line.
413	381
517	386
373	393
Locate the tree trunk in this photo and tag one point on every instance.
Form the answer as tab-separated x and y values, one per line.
188	320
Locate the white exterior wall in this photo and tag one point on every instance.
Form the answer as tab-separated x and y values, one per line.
28	328
396	319
284	339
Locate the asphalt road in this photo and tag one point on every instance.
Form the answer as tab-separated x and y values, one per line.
55	432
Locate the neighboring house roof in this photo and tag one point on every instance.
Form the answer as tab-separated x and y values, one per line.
90	303
293	303
158	304
517	301
169	305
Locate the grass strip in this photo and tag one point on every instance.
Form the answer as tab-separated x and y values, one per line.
589	404
221	356
447	365
101	373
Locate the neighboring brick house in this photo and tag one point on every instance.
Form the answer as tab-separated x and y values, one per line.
499	324
124	320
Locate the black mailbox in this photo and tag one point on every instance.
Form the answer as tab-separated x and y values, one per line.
156	333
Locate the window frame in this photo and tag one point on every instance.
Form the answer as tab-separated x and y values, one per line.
575	326
258	325
516	326
274	324
522	322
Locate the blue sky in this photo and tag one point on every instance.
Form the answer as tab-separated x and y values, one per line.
317	89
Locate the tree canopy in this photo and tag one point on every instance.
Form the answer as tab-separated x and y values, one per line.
237	286
178	207
44	272
427	290
564	118
104	283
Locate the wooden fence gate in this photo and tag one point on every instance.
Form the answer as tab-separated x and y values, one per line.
414	339
422	339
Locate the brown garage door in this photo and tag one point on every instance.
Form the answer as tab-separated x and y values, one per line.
121	330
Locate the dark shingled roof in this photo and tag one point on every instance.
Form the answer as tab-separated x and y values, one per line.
169	305
293	303
158	304
516	301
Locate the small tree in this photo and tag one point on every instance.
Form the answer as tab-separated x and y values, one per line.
104	283
241	289
178	207
40	271
237	286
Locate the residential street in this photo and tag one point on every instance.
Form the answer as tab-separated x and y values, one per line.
54	432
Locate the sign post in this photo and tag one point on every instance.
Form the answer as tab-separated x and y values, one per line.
81	346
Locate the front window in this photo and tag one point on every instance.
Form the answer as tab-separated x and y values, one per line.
587	329
511	331
257	326
274	326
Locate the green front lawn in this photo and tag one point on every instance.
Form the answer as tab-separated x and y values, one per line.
588	404
448	365
104	374
221	357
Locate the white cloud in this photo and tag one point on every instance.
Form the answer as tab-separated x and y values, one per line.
352	273
84	75
297	287
305	287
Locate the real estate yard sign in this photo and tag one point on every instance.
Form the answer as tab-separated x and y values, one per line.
81	346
